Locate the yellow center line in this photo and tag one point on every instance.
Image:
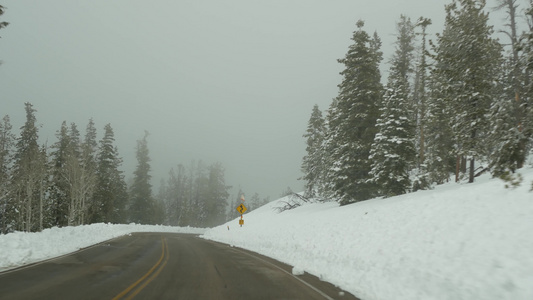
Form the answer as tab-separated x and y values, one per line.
164	247
146	282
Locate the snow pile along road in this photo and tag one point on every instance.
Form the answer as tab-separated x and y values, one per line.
20	248
467	241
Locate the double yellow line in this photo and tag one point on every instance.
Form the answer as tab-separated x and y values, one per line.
140	284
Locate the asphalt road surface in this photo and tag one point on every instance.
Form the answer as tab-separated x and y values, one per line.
163	266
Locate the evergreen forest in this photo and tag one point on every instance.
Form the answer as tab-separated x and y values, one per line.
452	108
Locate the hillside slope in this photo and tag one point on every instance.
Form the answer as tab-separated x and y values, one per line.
458	241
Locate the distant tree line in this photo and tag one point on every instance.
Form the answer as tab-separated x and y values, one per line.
78	180
71	182
452	108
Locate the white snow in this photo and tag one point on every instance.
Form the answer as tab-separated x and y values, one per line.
21	248
459	241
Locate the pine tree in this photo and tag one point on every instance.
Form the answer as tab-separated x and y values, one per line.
178	196
26	175
7	143
526	104
352	119
393	151
59	190
88	166
313	165
420	96
44	213
110	196
467	59
142	207
439	153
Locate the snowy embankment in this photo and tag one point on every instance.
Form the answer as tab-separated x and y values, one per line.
21	248
466	241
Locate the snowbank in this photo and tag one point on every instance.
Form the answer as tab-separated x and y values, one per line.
20	248
468	241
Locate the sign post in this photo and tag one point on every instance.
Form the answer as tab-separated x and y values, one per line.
241	209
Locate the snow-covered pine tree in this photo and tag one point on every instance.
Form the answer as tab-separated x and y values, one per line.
420	96
439	153
507	138
313	164
352	119
467	60
526	104
7	143
393	151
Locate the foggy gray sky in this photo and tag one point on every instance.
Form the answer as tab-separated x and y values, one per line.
230	81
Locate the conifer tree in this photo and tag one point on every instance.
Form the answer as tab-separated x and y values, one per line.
526	104
26	175
420	96
178	188
352	119
59	190
110	196
7	142
44	204
393	151
313	165
467	59
142	208
88	164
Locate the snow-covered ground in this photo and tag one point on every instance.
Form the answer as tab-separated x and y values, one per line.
467	241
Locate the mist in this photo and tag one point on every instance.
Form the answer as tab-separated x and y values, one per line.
219	81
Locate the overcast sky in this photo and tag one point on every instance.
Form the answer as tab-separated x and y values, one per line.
229	81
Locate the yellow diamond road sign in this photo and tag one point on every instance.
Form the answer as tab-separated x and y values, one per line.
241	209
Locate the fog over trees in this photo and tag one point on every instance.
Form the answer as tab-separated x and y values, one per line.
78	180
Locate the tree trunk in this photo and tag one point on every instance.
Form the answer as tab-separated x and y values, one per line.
471	175
457	168
463	164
